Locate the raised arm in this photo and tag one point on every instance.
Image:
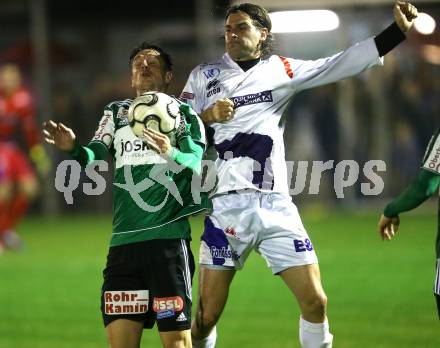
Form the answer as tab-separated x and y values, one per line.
357	58
404	15
64	138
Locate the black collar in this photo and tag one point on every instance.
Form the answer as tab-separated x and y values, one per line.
247	64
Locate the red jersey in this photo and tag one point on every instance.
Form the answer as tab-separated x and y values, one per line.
17	110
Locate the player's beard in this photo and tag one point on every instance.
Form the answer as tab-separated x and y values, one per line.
240	52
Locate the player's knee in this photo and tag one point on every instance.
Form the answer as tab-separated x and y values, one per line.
183	343
177	339
315	305
205	321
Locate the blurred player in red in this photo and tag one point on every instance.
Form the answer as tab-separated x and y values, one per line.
18	182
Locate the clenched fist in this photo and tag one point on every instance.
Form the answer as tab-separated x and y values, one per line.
404	15
222	111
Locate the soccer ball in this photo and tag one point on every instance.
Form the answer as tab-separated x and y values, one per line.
156	111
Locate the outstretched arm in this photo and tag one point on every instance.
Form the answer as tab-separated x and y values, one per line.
355	59
64	138
404	15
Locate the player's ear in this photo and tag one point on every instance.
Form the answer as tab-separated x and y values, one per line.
168	77
264	32
132	78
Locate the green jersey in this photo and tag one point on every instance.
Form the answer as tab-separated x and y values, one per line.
151	195
426	185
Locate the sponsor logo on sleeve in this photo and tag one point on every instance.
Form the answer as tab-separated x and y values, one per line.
102	133
125	302
187	96
432	162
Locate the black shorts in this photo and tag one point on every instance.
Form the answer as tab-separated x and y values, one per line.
149	282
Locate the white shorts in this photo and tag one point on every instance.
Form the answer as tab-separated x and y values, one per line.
266	222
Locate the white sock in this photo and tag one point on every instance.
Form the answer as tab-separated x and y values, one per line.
207	342
314	335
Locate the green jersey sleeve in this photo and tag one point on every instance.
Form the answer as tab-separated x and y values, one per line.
194	126
431	160
190	154
191	141
426	183
86	154
99	146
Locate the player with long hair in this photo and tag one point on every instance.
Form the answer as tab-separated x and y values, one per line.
243	96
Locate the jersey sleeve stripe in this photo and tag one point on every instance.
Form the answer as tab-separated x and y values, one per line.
431	159
287	66
430	145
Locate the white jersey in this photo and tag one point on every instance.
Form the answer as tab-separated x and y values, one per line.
250	147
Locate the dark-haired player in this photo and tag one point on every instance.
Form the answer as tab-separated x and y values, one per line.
242	96
424	186
149	268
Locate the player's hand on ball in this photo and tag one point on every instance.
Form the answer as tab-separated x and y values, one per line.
59	135
157	141
388	226
223	110
404	15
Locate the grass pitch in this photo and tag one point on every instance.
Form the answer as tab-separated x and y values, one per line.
380	293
